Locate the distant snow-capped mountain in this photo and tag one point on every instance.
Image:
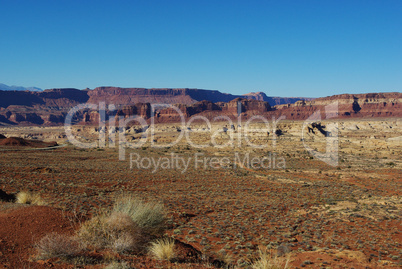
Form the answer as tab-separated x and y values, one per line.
5	87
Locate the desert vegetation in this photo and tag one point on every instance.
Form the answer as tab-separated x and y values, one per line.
308	214
267	260
26	197
162	249
127	228
58	245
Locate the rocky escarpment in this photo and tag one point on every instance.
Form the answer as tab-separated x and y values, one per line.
348	105
47	107
59	98
131	96
50	107
273	101
343	106
142	110
186	96
176	113
209	110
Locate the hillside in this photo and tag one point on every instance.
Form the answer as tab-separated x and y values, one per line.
5	87
50	107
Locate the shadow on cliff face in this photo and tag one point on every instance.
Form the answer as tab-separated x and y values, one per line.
3	119
356	107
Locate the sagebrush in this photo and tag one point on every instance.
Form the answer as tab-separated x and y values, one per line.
57	245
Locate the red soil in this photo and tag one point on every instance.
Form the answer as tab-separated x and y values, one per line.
22	226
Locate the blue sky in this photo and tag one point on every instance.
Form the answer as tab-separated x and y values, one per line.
283	48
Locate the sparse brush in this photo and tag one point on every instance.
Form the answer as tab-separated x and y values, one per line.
162	249
148	216
57	245
116	231
266	260
26	197
94	232
117	221
123	242
128	227
118	265
126	234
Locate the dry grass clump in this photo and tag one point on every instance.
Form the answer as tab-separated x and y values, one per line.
116	231
266	260
125	242
162	249
125	233
128	227
57	245
26	197
94	232
148	216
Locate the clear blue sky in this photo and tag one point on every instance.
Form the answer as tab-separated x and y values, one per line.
283	48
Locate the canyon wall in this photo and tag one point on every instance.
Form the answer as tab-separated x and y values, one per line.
50	107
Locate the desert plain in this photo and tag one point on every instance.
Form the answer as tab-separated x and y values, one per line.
225	198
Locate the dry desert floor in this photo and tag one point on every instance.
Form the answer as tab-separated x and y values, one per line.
224	203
